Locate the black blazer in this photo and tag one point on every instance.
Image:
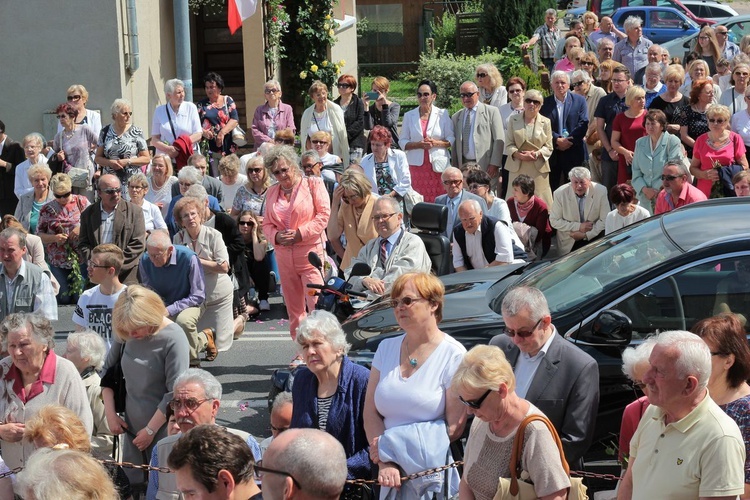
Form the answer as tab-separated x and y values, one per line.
13	154
354	121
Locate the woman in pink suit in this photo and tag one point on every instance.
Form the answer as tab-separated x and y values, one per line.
296	217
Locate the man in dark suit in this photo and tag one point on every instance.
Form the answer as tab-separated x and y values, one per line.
114	220
453	182
551	373
570	120
212	184
11	154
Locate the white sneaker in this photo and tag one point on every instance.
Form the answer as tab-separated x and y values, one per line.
264	305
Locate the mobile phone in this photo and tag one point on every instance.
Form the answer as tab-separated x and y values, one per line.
373	96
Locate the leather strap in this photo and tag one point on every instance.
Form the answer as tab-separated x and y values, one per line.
515	455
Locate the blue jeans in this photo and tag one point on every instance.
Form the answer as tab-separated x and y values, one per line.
61	275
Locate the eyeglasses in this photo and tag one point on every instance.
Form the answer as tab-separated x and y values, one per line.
466	95
190	404
320	143
670	177
716	120
587	63
343	85
245	223
254	170
137	188
64	195
60	117
481	75
423	94
532	102
74	98
126	113
311	166
288	142
260	471
475	186
575	85
515	91
383	217
742	73
406	301
281	171
271	91
475	404
108	191
523	333
449	182
468	219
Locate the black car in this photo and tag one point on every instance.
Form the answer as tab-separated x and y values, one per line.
664	273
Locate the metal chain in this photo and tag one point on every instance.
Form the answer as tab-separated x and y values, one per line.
410	476
594	475
11	472
130	465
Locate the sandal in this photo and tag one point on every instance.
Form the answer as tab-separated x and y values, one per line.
211	351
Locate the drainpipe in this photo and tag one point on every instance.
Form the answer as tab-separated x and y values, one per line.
133	61
182	46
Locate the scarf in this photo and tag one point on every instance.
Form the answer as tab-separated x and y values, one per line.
523	209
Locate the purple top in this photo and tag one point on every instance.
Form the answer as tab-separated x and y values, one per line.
739	410
263	121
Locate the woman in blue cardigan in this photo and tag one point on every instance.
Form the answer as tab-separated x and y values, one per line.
329	393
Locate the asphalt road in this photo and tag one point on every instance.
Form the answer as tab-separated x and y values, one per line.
244	371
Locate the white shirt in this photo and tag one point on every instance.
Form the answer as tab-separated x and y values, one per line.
94	311
560	108
526	366
22	184
152	217
44	300
185	121
503	248
739	100
741	125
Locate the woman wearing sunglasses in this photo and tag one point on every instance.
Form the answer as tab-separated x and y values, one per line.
354	116
490	84
78	96
410	393
485	384
73	145
271	116
324	115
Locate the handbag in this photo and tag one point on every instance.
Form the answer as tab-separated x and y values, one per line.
238	134
517	487
411	198
79	176
115	380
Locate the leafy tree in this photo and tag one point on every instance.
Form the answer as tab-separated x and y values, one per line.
505	19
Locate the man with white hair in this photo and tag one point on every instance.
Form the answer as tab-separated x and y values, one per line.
569	117
685	445
632	51
605	49
213	186
678	191
653	55
579	210
480	135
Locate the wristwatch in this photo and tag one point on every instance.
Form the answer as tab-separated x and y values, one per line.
149	431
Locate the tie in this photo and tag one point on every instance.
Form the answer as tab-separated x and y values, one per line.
466	133
451	216
581	205
383	251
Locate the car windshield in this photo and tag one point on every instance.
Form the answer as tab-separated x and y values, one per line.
600	266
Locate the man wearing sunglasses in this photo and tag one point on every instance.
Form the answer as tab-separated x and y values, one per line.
551	373
195	401
455	194
678	191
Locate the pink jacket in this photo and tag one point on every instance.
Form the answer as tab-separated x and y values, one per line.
310	211
262	120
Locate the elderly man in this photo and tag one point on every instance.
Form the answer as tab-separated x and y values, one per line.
609	106
176	274
569	116
549	34
24	287
480	135
396	251
607	31
482	241
728	48
653	55
114	220
453	182
605	49
188	176
632	50
212	463
551	372
303	464
685	445
213	185
678	191
11	154
281	418
195	401
579	210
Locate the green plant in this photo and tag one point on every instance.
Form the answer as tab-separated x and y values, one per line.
444	33
75	278
504	19
277	25
212	7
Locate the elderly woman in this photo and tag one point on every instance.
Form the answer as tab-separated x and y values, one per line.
626	212
740	124
707	48
34	376
251	195
734	97
145	338
741	183
324	115
692	119
590	64
122	149
410	392
73	145
188	176
628	128
478	182
78	96
383	111
582	84
353	217
32	148
426	135
528	209
386	168
484	382
87	350
256	249
718	147
652	82
160	182
175	119
138	188
231	179
331	385
698	70
516	91
671	100
730	369
209	245
218	115
59	227
650	155
634	365
297	213
490	84
321	142
354	115
568	62
271	116
528	144
29	205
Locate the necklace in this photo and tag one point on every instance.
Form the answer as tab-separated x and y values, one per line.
69	134
412	361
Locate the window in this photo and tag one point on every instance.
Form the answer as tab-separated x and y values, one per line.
665	19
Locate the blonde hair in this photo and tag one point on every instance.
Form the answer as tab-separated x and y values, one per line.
483	367
56	424
633	93
167	164
61	183
316	87
229	165
719	110
39	168
496	79
183	205
79	88
675	71
137	307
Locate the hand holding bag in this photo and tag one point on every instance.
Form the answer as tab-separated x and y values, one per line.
516	487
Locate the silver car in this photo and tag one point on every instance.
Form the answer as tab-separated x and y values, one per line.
738	27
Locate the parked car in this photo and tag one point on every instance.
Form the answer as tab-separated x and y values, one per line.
608	7
660	24
738	27
710	9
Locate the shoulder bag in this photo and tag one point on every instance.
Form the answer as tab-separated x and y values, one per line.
115	380
238	135
517	488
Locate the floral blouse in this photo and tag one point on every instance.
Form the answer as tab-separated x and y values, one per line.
56	219
246	199
214	117
118	147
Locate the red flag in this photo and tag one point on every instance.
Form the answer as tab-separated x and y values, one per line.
239	10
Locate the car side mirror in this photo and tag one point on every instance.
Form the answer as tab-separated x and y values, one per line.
685	25
611	328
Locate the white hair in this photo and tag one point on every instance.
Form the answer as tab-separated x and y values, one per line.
170	86
579	173
580	75
694	356
322	324
632	22
211	386
525	297
560	75
473	204
632	357
190	174
90	346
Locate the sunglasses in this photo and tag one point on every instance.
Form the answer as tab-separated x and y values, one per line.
523	333
716	120
271	91
476	186
587	63
64	195
475	404
260	471
575	85
532	101
246	223
109	191
515	91
343	85
423	94
281	171
320	143
406	301
670	177
722	33
254	170
190	404
481	75
452	183
466	95
311	165
74	98
288	142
